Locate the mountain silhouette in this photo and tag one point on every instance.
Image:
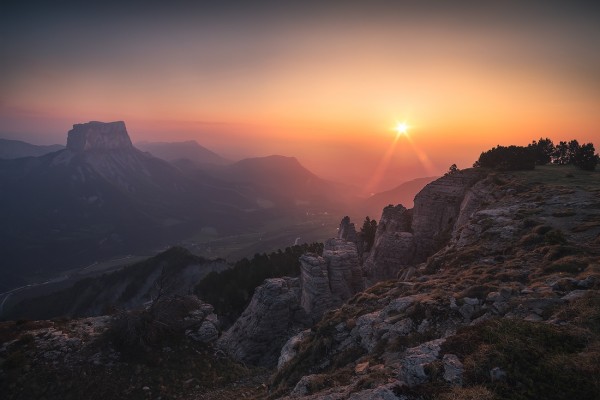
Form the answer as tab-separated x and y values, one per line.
10	149
177	151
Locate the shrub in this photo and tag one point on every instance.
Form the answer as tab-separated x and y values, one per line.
555	237
135	333
511	158
541	361
570	264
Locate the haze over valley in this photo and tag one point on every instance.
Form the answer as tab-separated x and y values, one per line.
341	200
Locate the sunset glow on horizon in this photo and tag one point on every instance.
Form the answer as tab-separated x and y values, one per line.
323	83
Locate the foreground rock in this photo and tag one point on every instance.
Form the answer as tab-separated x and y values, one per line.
282	307
273	315
509	292
407	237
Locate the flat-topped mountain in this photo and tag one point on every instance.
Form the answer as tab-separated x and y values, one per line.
102	197
98	136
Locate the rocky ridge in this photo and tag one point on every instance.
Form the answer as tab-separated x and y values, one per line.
507	302
521	267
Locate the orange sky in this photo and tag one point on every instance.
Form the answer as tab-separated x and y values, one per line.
323	84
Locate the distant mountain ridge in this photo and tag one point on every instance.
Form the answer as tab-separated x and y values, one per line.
101	197
177	151
402	194
10	149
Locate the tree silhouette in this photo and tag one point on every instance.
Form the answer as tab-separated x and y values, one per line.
511	158
542	150
452	170
368	231
585	157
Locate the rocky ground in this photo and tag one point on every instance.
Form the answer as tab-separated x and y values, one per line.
509	308
492	291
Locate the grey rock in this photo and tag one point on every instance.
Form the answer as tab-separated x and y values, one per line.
412	365
206	333
329	280
98	136
273	315
453	369
380	393
574	294
466	310
290	348
497	374
407	237
394	246
303	385
471	301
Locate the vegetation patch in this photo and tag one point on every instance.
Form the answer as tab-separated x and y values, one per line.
231	290
570	264
564	213
539	360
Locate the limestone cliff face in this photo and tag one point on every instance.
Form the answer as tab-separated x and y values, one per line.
407	237
514	255
98	136
394	246
331	279
273	315
282	307
438	208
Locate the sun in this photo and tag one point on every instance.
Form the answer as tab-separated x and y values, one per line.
401	128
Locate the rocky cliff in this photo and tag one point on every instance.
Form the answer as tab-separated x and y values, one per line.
503	306
331	279
507	307
282	307
273	315
96	135
407	237
326	282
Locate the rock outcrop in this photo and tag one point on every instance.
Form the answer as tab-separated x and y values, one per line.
407	237
438	208
331	279
273	315
282	307
96	135
394	247
498	263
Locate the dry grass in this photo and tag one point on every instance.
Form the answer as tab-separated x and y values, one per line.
468	393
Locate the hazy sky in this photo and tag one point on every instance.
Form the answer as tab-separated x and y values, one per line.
323	82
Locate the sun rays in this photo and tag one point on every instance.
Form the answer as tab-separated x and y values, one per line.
401	130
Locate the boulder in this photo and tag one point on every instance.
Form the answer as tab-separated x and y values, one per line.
273	315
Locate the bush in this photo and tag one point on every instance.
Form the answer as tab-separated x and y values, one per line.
585	157
511	158
541	361
138	332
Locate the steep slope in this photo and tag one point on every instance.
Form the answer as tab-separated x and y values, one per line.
10	149
173	272
101	197
506	308
283	181
507	305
